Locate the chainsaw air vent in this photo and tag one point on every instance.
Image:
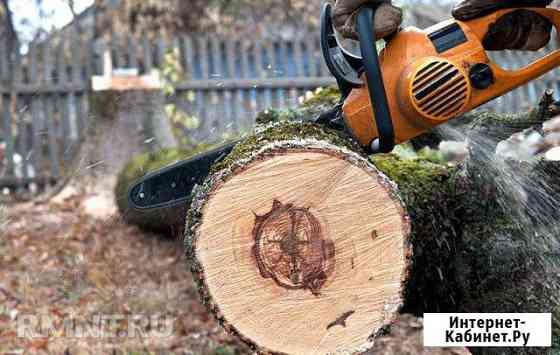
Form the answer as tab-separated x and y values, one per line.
440	90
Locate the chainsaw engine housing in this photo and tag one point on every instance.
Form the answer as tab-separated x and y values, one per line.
437	74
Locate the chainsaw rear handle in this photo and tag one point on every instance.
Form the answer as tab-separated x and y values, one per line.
507	80
365	25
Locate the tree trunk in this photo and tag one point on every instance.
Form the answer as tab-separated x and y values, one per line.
320	232
300	245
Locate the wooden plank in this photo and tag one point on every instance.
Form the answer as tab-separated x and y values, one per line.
132	47
80	116
232	111
203	56
4	61
76	59
33	71
258	60
37	132
67	139
267	97
271	59
23	138
45	88
187	56
230	60
175	47
240	113
216	73
293	98
161	49
86	58
298	58
284	59
216	58
278	83
48	109
47	64
312	55
245	64
323	69
116	49
96	50
259	100
8	133
18	68
281	98
147	54
202	113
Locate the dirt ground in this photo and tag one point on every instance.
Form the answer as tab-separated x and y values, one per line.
72	260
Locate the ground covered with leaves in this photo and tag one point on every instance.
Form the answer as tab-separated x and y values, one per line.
74	282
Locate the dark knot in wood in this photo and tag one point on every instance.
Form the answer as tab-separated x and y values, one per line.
290	248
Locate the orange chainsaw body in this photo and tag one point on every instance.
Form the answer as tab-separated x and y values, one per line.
427	86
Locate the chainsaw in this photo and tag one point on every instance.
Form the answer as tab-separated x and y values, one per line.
421	79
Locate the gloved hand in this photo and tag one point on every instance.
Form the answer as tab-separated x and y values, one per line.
519	30
388	18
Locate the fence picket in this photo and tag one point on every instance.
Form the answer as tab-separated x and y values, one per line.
258	60
32	72
48	111
231	102
76	62
147	54
161	49
187	56
310	45
63	114
4	60
60	62
285	58
36	132
47	64
217	74
80	116
8	134
298	58
203	56
116	49
132	47
270	48
22	138
245	65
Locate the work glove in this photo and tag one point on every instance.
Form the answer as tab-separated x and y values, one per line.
388	18
522	30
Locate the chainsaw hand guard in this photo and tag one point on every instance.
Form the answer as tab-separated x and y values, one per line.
347	69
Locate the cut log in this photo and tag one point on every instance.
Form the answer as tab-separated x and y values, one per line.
469	252
316	249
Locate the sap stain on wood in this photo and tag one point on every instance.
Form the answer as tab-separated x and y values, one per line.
290	248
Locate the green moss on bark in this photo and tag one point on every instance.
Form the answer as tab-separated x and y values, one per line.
105	104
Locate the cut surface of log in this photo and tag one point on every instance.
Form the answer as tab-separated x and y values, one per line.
302	249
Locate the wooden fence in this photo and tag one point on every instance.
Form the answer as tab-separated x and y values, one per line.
223	83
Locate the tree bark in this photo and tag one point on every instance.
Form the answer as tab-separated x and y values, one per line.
472	246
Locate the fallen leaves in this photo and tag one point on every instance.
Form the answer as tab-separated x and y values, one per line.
58	261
